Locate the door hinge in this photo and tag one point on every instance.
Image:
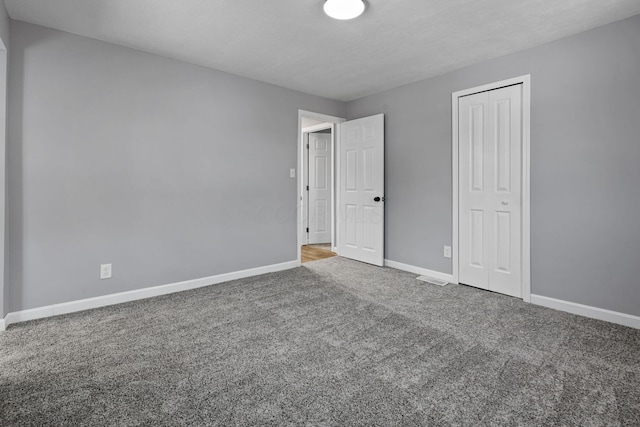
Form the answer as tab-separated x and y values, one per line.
307	188
307	146
307	229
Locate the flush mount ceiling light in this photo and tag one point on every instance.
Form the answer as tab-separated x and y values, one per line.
344	9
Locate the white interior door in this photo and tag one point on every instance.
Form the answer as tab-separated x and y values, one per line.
319	188
490	190
361	183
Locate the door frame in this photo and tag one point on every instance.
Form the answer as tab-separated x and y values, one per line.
526	175
335	144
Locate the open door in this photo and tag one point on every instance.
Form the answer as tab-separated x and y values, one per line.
361	190
320	203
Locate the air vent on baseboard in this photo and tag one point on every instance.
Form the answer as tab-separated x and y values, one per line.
432	280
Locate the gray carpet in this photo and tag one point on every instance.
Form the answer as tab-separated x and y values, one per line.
335	342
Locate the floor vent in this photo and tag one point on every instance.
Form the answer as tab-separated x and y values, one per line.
432	280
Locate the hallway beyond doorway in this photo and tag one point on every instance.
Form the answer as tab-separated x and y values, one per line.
316	252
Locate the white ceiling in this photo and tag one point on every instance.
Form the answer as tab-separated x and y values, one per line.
291	43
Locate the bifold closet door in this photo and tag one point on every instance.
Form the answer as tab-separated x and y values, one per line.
490	190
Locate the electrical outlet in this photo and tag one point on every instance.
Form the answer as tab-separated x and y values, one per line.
105	271
292	173
447	251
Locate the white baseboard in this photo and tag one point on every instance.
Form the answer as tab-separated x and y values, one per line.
102	301
588	311
418	270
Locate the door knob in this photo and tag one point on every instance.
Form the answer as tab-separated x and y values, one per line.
376	199
505	202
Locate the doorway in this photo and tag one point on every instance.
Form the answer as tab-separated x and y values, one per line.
317	140
356	185
318	197
491	187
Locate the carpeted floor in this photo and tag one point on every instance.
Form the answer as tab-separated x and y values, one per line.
335	342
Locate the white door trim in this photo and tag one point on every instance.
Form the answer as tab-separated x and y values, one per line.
526	174
335	141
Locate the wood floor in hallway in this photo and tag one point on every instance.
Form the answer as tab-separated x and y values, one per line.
314	253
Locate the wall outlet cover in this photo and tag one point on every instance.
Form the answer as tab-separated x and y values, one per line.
105	271
447	251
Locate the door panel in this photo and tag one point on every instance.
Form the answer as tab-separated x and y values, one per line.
476	145
505	132
321	224
369	169
490	140
476	238
503	241
351	170
361	225
503	146
473	136
350	239
319	188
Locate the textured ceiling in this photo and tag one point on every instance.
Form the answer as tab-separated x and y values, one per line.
291	43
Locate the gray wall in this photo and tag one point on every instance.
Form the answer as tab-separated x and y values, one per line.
167	170
4	25
585	157
173	172
4	38
3	171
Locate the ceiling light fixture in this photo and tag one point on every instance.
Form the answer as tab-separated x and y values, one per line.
344	9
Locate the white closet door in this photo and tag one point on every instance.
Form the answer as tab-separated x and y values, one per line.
361	221
490	190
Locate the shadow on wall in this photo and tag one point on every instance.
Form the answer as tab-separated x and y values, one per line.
3	209
14	262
